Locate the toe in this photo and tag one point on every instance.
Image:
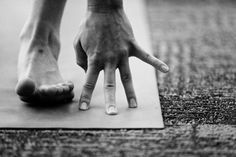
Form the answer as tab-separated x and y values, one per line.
28	99
65	98
25	87
63	89
55	93
70	85
67	86
52	90
66	89
43	89
48	90
59	90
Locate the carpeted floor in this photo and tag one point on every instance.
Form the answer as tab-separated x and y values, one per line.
198	40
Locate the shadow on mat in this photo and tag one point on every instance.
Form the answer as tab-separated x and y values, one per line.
49	105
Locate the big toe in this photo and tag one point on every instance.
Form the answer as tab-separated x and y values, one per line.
25	87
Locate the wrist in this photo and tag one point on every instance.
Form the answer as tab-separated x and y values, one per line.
105	5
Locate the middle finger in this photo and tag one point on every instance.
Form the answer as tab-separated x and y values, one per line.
110	89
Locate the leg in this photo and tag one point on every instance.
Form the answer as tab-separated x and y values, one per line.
39	78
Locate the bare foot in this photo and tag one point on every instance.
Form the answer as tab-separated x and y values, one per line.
39	79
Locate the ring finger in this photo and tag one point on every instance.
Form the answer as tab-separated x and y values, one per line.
126	78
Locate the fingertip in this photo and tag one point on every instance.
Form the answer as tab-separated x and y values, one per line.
132	103
83	106
164	68
112	110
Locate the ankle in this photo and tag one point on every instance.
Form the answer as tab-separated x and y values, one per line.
105	5
39	30
41	35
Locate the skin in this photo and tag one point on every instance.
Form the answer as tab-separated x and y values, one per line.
39	79
105	42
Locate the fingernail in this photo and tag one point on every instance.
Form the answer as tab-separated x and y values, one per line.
112	110
132	103
83	106
165	68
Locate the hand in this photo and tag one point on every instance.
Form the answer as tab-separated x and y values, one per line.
105	42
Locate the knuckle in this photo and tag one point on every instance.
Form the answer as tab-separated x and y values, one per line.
85	98
109	86
94	63
94	57
97	52
147	56
89	86
130	95
123	52
123	49
111	59
150	59
126	77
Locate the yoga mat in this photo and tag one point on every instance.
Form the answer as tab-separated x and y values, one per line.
16	114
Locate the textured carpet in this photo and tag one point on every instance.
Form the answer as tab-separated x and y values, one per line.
198	40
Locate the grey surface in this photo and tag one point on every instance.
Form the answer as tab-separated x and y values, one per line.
15	114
